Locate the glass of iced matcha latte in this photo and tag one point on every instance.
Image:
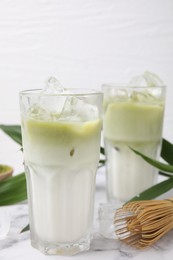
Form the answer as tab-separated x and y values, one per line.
61	142
133	118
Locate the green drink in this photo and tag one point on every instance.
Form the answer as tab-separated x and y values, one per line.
133	118
61	153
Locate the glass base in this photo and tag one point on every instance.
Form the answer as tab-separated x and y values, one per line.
62	248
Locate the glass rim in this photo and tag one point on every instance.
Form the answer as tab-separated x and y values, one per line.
124	86
77	92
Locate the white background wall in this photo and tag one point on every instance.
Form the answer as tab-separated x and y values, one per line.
84	43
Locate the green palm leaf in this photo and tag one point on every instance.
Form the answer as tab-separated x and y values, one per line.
167	151
161	166
155	190
25	229
14	131
13	190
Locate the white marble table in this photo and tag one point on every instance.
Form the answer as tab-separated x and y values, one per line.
16	245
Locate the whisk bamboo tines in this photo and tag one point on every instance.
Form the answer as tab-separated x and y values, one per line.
142	223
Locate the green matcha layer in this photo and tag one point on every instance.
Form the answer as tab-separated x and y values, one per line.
133	121
59	142
58	131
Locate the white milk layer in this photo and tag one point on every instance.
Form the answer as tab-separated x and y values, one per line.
127	173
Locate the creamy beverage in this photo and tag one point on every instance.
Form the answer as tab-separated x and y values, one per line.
61	156
132	119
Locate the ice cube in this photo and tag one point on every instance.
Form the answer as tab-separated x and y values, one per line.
142	97
52	105
53	86
5	221
77	109
106	214
147	79
42	113
49	104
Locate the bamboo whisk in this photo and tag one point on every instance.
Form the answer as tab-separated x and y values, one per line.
142	223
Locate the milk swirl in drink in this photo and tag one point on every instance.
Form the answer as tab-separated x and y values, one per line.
61	152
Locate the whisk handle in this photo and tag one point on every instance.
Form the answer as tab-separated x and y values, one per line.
170	199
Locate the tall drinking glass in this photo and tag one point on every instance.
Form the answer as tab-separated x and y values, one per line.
61	143
133	118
